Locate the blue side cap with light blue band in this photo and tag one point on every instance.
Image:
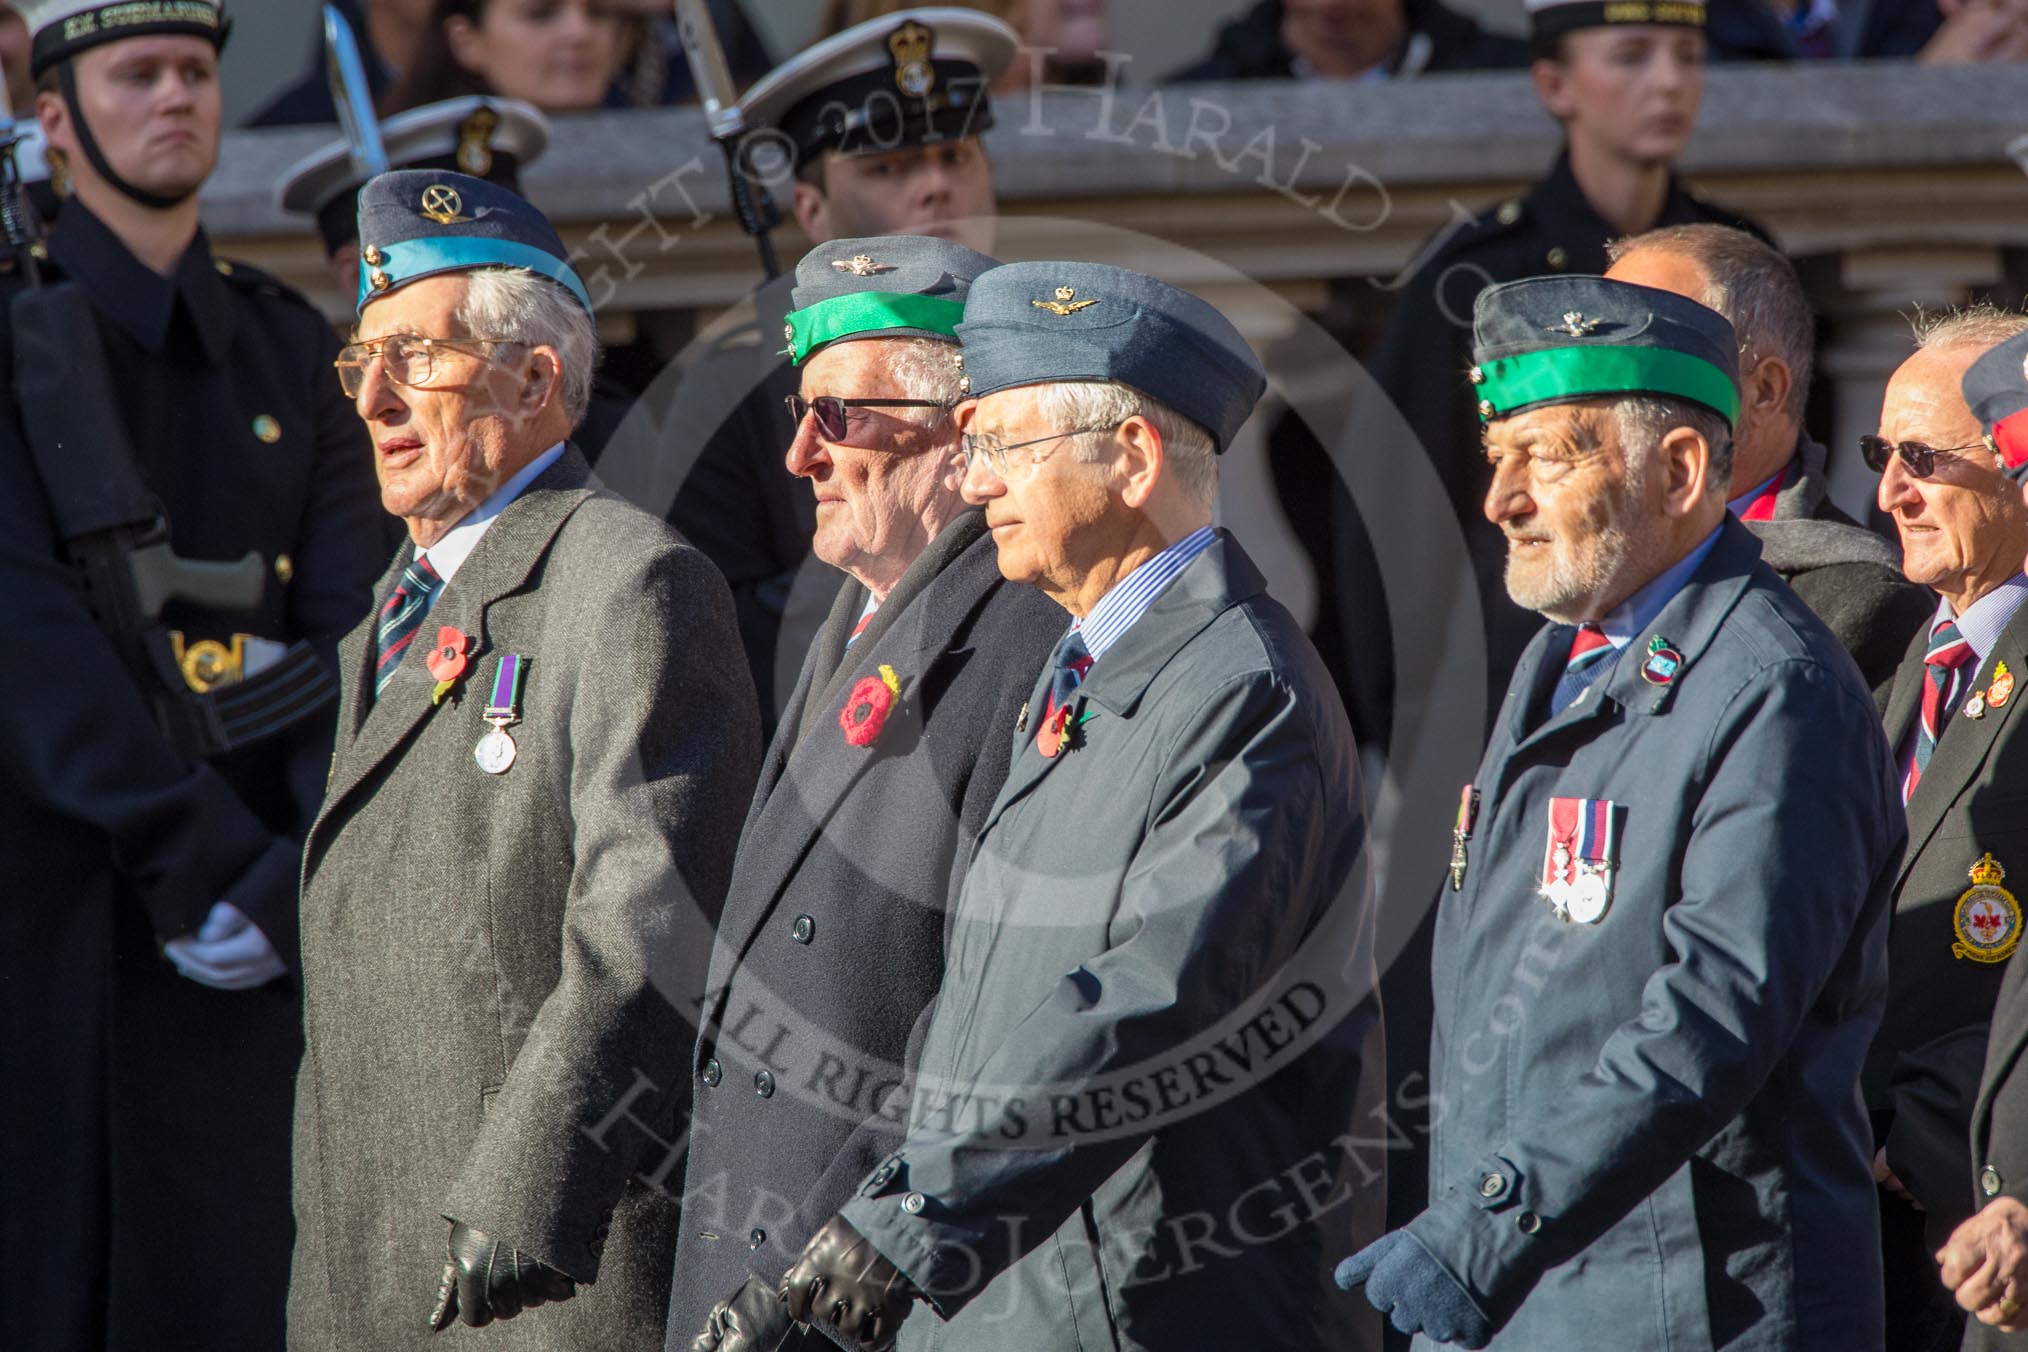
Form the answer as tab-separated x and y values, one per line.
419	258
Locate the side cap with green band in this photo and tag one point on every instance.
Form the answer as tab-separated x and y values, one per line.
1553	340
884	286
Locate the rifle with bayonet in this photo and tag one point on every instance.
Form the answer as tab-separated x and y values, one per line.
726	121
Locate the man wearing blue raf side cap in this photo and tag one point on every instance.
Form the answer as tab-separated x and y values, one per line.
1175	851
545	736
1660	949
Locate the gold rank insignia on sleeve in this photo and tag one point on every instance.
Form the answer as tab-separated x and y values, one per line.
1987	918
1063	304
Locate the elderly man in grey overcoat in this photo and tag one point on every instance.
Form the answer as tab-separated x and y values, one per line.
1661	947
1132	1096
545	737
891	750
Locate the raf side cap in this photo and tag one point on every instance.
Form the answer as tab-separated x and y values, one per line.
890	286
1551	19
1048	323
489	138
63	28
1996	389
1555	340
417	223
911	78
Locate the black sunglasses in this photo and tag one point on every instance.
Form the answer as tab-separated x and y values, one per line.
830	410
1919	460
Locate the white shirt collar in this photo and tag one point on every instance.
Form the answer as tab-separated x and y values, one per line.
449	554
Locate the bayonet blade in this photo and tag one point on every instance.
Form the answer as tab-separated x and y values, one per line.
353	95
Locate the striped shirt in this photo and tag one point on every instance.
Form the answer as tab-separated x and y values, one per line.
1131	596
1980	626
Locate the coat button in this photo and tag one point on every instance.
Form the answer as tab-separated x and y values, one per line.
1529	1222
1493	1187
804	930
1989	1181
713	1072
756	1238
764	1084
1559	258
914	1203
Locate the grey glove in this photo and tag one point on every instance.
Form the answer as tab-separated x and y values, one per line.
486	1280
751	1319
842	1280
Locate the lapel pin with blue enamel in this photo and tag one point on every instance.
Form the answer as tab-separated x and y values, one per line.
1664	663
496	751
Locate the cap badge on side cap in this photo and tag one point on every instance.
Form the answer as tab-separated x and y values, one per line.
1063	304
475	142
910	45
1575	324
861	265
443	205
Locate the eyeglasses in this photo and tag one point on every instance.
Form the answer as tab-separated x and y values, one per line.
989	449
833	423
1919	460
408	359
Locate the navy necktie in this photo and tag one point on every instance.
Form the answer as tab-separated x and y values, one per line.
402	616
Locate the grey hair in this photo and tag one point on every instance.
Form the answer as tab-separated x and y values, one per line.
925	368
1981	325
1097	407
517	306
1642	422
1755	287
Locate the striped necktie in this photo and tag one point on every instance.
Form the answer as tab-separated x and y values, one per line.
1945	676
1591	653
402	616
1073	660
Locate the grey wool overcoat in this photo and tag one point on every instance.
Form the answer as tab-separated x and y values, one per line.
495	965
832	942
1134	1087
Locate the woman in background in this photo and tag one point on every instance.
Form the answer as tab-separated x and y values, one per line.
563	56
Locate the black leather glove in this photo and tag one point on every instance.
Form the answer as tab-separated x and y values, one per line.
841	1280
486	1280
751	1319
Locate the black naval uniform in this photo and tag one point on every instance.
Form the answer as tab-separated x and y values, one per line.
145	1119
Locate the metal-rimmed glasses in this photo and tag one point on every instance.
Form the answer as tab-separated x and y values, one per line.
408	358
833	420
988	448
1918	459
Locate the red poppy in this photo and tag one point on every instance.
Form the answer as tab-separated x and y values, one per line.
447	660
866	708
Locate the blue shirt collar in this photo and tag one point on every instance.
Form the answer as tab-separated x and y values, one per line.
449	554
1129	598
1630	618
1987	618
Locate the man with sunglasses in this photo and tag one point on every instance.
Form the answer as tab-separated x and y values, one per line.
1951	719
1176	851
544	740
891	748
147	937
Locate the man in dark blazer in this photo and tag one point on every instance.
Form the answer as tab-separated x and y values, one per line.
1950	720
147	936
1661	948
545	734
1172	863
1844	572
871	792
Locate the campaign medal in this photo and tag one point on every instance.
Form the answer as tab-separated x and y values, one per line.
496	751
1577	862
2001	688
1988	919
1663	662
1468	803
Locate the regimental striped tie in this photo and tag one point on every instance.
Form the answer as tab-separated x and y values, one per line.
1947	659
1073	660
1591	653
402	616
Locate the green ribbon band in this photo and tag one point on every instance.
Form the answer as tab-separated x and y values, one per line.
868	312
1578	372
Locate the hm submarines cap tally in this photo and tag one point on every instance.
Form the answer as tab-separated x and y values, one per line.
1045	323
1551	19
1996	389
888	286
1555	340
417	223
63	28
